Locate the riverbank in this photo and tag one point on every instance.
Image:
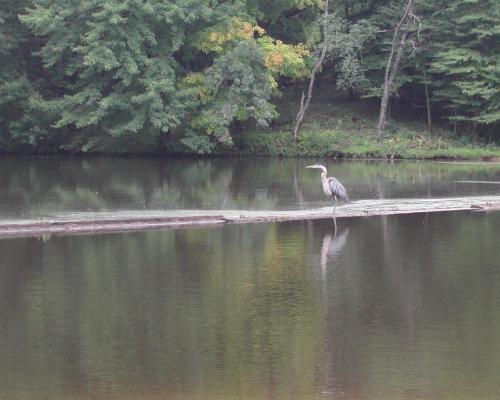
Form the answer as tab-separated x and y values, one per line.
344	144
335	128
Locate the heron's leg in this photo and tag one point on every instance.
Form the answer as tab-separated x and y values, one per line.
335	226
335	219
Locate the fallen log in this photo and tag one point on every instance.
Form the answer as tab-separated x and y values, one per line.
486	207
96	223
102	222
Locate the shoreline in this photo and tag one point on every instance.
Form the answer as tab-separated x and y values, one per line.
323	143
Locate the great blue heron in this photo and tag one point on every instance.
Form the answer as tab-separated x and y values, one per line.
331	186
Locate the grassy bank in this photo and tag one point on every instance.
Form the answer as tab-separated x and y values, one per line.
329	143
336	128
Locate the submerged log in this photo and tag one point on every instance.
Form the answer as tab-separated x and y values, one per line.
79	223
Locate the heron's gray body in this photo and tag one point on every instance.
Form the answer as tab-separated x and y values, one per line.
333	188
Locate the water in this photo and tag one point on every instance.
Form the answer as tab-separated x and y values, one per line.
402	307
391	308
37	187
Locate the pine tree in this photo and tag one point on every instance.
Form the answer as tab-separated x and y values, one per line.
22	124
466	60
129	71
114	62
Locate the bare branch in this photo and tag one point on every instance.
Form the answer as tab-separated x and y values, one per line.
401	36
304	105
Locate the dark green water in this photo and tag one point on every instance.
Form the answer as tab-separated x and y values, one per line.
36	187
392	308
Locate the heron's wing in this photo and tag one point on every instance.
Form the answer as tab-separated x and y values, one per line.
338	189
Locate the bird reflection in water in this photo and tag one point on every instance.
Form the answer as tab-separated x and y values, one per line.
332	247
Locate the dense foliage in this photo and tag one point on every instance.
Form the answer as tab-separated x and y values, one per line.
184	75
466	58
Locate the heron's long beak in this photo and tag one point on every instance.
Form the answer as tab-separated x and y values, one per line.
311	166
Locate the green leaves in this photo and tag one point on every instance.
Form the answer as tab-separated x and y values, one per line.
113	74
467	60
241	87
345	43
118	69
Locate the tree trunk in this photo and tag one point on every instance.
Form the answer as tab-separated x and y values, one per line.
392	67
455	122
306	101
428	105
427	101
350	90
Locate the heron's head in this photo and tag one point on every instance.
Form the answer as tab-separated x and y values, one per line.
318	166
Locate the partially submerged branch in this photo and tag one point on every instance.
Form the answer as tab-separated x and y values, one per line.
92	223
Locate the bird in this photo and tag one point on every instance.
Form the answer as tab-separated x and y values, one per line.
331	186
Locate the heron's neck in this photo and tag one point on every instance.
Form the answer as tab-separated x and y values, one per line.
323	175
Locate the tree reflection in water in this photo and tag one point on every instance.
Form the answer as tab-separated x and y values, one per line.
33	187
391	308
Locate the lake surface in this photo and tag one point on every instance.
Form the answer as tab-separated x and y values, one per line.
391	308
38	187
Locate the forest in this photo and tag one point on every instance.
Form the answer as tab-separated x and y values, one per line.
193	76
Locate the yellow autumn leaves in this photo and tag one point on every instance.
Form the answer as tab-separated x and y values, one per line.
279	58
220	38
284	59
